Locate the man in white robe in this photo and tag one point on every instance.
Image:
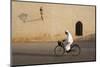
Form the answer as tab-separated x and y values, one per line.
68	40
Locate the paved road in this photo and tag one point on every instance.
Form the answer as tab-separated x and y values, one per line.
42	52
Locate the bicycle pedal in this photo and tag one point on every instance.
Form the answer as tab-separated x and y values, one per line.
68	51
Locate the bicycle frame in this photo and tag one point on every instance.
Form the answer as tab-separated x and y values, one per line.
62	45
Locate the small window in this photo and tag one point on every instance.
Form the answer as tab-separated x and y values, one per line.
79	28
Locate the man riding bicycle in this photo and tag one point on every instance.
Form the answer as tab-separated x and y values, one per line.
67	41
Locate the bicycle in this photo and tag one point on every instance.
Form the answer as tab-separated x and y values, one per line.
59	50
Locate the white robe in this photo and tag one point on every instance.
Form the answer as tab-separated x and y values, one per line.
68	41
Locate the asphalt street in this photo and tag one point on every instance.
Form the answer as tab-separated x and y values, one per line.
43	52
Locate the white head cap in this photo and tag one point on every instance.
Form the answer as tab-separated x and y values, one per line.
66	30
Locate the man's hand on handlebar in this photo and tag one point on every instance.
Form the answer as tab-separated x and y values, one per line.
63	40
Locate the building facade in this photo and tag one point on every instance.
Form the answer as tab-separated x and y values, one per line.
33	21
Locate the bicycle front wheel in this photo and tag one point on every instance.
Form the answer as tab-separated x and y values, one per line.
59	50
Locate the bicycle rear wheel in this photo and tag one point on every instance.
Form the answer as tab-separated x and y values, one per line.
59	51
75	50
